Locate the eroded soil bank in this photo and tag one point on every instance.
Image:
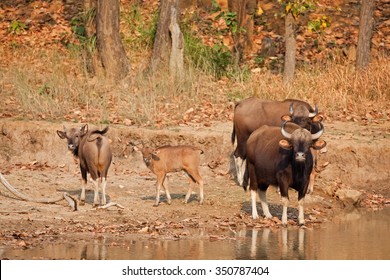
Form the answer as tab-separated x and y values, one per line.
36	162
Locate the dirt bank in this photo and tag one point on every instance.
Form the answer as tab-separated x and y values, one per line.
36	162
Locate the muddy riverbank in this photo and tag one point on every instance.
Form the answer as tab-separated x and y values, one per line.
36	162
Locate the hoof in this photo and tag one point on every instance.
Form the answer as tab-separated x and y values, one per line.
169	202
82	202
155	205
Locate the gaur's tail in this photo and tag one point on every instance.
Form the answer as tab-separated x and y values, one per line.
99	144
101	132
233	138
233	135
96	134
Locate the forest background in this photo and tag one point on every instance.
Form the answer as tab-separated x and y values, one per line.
45	66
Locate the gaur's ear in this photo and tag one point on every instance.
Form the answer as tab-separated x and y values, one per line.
83	129
319	144
155	157
286	118
155	154
284	144
61	134
318	118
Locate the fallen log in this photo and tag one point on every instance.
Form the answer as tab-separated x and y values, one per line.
69	199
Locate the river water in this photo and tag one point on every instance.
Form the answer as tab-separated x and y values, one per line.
353	236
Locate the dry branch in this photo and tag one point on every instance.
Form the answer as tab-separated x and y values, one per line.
111	204
71	201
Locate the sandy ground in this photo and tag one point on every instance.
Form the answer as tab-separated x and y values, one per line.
36	162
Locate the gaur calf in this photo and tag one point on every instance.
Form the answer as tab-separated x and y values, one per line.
168	159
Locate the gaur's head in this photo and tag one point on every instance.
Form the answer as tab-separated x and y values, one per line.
73	136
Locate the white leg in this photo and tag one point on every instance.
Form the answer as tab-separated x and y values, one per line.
96	195
188	193
82	196
240	169
310	188
168	194
301	215
104	184
166	188
159	184
284	215
264	204
201	194
238	163
158	187
254	207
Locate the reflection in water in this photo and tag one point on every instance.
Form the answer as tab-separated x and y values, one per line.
355	236
277	244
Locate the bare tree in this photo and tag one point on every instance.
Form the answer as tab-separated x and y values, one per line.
168	46
292	10
109	44
365	33
94	66
291	46
110	59
243	35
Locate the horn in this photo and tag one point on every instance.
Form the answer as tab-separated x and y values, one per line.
291	109
312	115
317	135
284	132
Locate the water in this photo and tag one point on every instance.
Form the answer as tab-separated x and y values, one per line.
352	236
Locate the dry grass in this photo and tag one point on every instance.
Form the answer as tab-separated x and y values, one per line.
334	87
52	85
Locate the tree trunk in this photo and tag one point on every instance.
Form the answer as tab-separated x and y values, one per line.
93	63
176	63
111	51
169	43
365	33
289	59
243	38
